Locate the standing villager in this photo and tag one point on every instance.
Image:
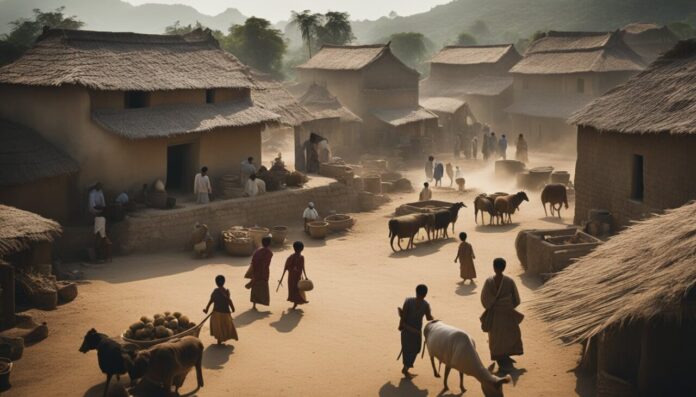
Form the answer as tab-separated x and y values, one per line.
425	194
251	189
474	148
429	165
502	147
521	149
247	169
295	267
260	269
324	151
260	184
96	207
486	146
459	178
438	173
310	214
221	325
201	187
465	256
493	146
500	319
411	325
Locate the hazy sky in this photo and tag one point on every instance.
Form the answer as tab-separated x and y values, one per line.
276	10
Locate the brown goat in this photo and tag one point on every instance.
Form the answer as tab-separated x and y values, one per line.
484	203
407	226
505	206
555	194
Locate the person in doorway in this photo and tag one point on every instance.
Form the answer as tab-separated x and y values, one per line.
438	173
201	187
500	319
459	178
221	325
251	189
247	169
465	256
474	148
429	165
295	267
502	147
521	149
260	264
411	324
310	214
425	194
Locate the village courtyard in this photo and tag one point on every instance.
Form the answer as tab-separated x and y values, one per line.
345	341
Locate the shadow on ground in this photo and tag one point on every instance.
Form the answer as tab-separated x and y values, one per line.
249	317
405	388
288	320
215	356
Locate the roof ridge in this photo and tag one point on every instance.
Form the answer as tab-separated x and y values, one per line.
357	46
196	36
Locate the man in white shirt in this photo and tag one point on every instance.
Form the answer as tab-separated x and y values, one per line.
201	187
247	168
310	214
96	200
425	194
251	188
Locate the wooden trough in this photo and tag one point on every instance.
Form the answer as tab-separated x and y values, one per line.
421	207
552	250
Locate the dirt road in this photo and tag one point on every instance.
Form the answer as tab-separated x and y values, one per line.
343	343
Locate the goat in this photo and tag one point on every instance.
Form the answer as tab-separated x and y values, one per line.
505	206
407	226
555	194
113	358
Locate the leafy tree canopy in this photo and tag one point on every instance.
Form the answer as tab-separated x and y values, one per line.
411	48
466	39
257	44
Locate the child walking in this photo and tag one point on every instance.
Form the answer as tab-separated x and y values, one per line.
221	324
465	256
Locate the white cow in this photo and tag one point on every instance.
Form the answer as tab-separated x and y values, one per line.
457	350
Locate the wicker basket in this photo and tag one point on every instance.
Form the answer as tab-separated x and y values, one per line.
67	291
144	344
239	247
318	229
278	234
305	285
257	234
339	222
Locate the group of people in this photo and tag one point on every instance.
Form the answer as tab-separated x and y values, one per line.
435	171
496	148
253	186
221	324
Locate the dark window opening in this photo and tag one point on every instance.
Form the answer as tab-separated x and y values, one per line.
136	99
581	86
209	96
638	185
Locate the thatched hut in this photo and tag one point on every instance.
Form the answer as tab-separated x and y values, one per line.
131	108
648	39
34	174
636	144
479	76
632	302
455	120
559	74
25	240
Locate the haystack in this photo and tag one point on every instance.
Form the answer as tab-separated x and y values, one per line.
20	229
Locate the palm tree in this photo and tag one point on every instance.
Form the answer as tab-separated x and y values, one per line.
337	29
307	23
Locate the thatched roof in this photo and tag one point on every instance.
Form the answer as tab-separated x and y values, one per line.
126	61
326	106
640	274
25	156
660	99
484	85
442	104
640	28
403	116
349	57
579	52
271	95
19	229
473	55
170	120
550	106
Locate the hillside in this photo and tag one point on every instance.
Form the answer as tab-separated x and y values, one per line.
116	15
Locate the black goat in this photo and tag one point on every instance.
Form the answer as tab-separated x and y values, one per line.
113	358
444	218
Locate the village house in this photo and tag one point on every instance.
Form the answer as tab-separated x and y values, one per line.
559	74
636	144
455	120
632	304
134	108
479	75
648	39
380	89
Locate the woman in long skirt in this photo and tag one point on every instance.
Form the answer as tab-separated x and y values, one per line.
221	324
465	255
295	268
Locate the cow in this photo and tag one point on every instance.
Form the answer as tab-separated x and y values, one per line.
113	358
555	194
407	226
168	363
505	206
457	350
484	203
443	218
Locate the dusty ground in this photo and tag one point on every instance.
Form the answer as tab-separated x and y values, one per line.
343	343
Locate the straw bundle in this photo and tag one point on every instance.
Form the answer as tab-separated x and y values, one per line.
19	229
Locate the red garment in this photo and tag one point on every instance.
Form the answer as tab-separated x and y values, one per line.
261	262
295	266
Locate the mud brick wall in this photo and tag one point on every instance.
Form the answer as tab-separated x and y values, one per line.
603	173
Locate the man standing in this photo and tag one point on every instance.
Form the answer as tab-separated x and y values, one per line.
429	165
97	204
247	169
493	146
260	264
474	148
425	194
521	154
411	325
502	147
251	188
500	319
310	214
201	187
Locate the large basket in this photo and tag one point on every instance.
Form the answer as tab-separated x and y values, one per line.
144	344
305	285
278	234
257	234
339	222
318	229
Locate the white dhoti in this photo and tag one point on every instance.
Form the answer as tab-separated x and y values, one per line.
202	198
100	226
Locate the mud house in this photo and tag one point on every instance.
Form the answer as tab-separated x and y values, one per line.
455	120
636	144
380	89
559	74
632	303
479	75
34	174
648	39
133	108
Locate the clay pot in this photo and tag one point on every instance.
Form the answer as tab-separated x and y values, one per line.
278	234
318	229
339	222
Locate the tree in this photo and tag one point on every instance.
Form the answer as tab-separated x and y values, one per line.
178	29
466	39
336	29
307	23
257	44
411	48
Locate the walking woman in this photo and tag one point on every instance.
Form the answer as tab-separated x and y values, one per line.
221	324
295	268
465	255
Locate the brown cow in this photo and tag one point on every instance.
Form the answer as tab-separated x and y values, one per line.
407	226
168	363
484	203
555	194
505	206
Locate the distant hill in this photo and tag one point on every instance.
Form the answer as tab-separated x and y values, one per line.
116	15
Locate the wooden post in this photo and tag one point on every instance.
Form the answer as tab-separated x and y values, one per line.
7	296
